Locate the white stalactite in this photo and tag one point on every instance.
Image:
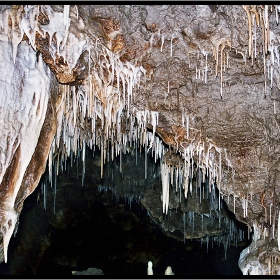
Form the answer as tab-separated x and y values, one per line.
278	231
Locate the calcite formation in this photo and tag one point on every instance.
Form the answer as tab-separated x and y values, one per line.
204	78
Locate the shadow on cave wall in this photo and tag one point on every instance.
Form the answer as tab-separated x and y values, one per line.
96	226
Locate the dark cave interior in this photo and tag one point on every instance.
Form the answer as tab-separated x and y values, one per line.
98	227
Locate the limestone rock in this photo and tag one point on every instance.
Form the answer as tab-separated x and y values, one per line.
210	71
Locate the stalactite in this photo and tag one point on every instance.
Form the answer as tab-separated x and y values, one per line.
96	102
270	213
45	194
193	223
171	45
184	221
84	164
102	160
55	185
278	231
165	186
245	7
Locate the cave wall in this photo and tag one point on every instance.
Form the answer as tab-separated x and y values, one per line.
203	77
25	92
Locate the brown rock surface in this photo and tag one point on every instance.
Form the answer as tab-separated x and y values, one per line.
204	65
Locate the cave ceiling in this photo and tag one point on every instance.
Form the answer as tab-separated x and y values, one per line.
203	78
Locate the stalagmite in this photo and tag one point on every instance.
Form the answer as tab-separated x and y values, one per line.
168	271
150	268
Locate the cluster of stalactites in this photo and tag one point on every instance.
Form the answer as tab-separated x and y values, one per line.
24	19
263	42
202	193
205	156
221	58
100	111
113	128
105	97
258	18
196	155
261	257
230	235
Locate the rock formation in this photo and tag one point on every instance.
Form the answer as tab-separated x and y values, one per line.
203	78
